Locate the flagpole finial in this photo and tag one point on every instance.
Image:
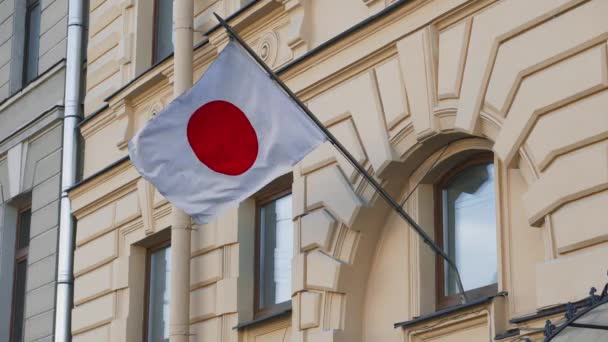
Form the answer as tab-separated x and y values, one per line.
220	19
227	27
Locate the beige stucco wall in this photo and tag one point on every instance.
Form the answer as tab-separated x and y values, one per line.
525	79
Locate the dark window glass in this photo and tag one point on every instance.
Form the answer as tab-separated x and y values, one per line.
23	231
32	41
468	235
159	293
275	251
20	271
163	29
19	300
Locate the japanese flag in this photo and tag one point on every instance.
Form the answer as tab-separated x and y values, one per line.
232	133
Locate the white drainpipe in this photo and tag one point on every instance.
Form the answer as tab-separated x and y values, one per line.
179	307
72	115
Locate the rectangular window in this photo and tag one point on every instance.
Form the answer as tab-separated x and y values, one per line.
163	30
158	293
20	271
274	252
32	41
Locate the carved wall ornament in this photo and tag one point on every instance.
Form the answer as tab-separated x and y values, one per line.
124	116
268	47
155	108
298	33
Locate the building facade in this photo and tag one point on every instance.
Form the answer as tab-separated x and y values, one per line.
32	79
486	119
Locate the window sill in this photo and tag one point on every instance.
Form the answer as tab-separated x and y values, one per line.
271	316
447	311
487	291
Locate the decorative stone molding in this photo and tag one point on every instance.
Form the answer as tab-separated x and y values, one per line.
125	53
155	108
329	188
298	32
326	272
268	48
310	305
16	160
317	230
125	117
418	66
125	46
365	108
145	193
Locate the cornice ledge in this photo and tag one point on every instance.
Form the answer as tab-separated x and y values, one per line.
100	202
42	78
31	128
101	120
120	106
151	79
100	179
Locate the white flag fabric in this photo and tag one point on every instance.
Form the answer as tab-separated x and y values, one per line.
232	133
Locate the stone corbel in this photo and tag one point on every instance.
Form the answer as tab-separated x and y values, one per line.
298	32
169	75
145	194
125	118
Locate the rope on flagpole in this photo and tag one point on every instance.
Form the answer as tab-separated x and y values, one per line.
334	141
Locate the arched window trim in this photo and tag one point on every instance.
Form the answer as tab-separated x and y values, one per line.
442	300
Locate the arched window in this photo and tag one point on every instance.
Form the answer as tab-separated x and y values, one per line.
465	207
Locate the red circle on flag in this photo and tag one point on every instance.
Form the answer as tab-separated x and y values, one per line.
222	138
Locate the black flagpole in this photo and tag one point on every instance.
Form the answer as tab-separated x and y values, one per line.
332	139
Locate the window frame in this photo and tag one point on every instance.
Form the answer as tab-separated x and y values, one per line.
278	189
442	300
165	243
155	31
20	255
26	42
